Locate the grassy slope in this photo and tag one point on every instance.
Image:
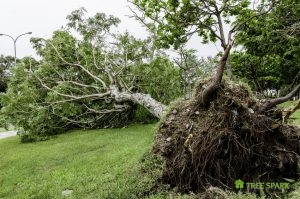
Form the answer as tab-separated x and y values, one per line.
295	116
95	164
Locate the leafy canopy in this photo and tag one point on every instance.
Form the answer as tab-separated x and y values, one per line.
271	54
177	20
60	91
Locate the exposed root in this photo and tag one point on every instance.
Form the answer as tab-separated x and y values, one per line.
226	141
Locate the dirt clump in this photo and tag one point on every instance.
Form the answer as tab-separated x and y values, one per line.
227	141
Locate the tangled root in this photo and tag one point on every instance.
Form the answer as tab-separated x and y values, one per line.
215	146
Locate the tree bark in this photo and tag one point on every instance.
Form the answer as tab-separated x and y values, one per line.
211	88
229	68
155	107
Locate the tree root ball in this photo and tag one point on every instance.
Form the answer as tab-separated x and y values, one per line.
227	141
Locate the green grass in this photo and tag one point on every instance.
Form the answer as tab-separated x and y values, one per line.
94	164
295	117
104	164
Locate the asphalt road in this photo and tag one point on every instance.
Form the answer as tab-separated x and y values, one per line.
7	134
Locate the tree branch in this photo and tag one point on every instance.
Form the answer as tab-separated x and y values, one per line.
79	84
238	26
105	111
272	103
98	95
78	65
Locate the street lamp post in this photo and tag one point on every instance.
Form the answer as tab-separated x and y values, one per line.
15	42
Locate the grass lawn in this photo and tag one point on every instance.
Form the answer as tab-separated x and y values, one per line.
94	164
104	164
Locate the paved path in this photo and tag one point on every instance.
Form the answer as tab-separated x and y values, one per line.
7	134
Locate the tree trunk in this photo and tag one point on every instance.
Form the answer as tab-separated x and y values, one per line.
212	87
158	109
229	68
155	107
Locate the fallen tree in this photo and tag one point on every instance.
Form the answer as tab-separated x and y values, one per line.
105	76
220	135
102	80
112	87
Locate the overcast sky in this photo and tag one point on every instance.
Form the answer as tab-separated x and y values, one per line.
42	17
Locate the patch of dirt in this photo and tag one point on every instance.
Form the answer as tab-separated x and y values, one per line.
227	141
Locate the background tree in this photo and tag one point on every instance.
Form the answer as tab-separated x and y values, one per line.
193	68
6	63
270	56
261	73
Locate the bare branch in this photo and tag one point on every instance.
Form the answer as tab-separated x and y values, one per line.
141	19
105	111
222	38
78	65
79	84
272	103
95	62
98	95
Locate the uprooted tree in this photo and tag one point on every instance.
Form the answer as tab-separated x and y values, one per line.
101	80
223	133
177	21
211	139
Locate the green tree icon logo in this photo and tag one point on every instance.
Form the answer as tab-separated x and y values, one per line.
239	184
